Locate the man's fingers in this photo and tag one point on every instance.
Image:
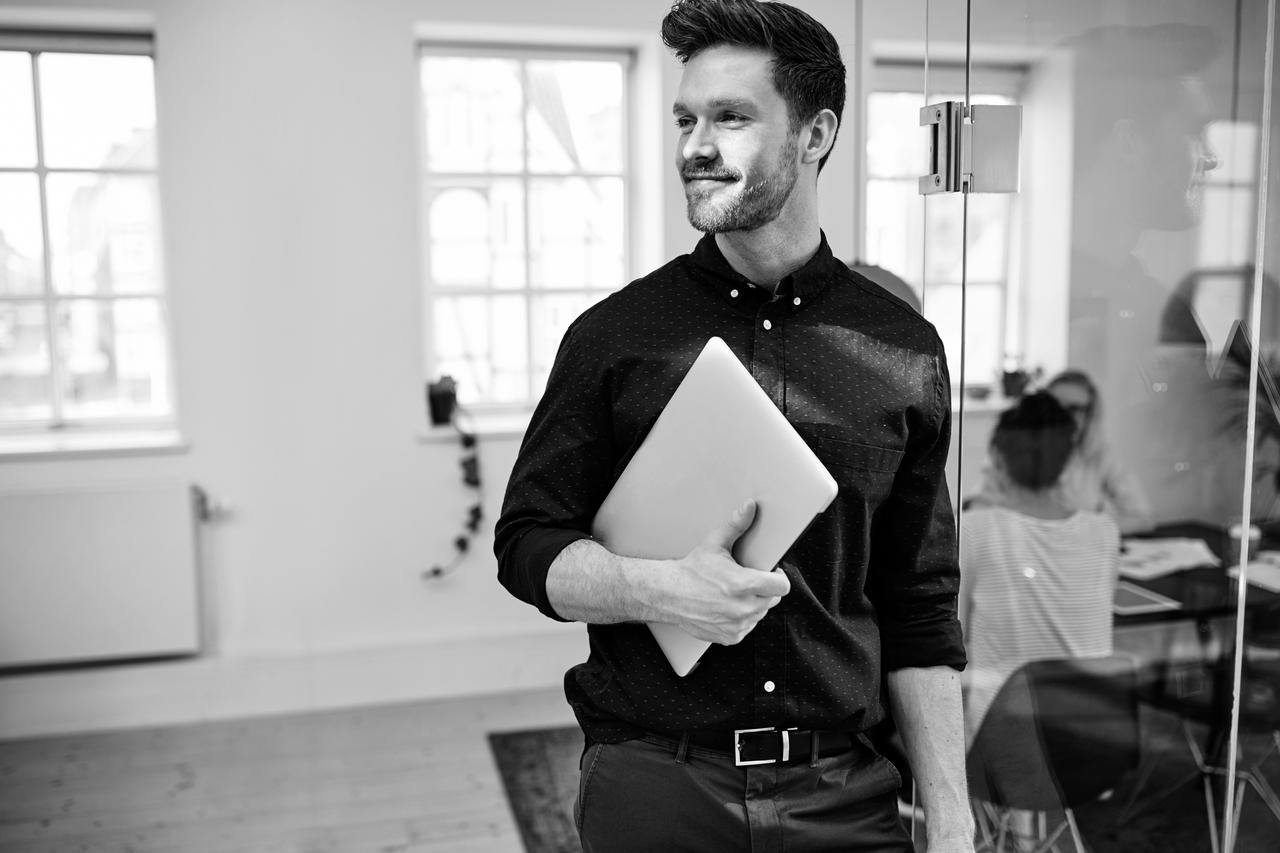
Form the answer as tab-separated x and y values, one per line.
775	583
726	534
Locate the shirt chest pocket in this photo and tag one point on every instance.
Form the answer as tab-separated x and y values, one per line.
866	470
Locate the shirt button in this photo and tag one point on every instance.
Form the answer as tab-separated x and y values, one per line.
767	325
733	294
1028	573
769	686
795	301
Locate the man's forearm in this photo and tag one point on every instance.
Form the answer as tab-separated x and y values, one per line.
588	583
928	712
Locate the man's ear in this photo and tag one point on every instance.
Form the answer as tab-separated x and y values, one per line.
820	137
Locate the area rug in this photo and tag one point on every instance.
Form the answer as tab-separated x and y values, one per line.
539	770
1165	813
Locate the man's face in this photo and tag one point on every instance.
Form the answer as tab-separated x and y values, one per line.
1179	156
736	154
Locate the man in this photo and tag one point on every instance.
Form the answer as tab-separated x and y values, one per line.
1141	157
865	599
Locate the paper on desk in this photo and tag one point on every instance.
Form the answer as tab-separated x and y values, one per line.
1144	559
1263	573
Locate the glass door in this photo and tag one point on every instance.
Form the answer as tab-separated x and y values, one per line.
1113	333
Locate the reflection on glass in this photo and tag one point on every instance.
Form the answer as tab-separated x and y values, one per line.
477	234
98	111
575	117
25	370
104	232
114	358
472	110
482	342
21	244
17	111
576	232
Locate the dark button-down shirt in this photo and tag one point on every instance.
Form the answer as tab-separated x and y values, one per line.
863	379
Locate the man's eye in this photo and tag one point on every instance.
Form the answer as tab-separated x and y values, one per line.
684	122
733	118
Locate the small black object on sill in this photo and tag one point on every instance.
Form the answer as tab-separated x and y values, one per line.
442	400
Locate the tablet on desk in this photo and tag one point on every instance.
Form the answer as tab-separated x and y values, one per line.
1131	599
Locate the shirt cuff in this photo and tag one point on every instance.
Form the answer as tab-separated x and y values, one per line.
934	645
538	549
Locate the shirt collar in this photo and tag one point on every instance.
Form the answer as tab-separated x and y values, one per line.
808	281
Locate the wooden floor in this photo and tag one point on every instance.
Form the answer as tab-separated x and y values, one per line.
413	778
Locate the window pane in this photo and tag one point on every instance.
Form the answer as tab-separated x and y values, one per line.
17	111
104	232
1227	229
897	146
551	316
25	383
476	233
21	244
984	330
944	240
98	110
481	341
576	233
472	110
114	358
575	116
895	228
988	237
1235	144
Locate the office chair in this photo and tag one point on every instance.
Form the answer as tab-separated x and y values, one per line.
1059	733
1259	717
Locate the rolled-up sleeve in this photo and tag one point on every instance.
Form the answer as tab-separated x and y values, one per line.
914	575
562	472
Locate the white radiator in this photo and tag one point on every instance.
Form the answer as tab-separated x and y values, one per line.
98	573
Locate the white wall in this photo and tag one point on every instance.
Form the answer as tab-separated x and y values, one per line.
289	185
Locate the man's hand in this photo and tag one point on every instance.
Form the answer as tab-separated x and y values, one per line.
714	598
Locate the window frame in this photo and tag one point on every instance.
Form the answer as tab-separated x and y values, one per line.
907	75
501	411
58	432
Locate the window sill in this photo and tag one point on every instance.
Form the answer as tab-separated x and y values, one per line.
483	425
63	445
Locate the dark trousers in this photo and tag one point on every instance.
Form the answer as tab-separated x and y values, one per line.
651	796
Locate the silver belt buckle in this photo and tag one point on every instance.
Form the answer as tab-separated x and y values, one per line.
737	746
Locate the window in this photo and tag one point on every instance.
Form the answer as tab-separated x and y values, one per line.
83	314
525	194
900	223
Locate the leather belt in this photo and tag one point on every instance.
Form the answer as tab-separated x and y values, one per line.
767	745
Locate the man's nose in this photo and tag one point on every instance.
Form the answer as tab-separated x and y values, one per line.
699	145
1208	157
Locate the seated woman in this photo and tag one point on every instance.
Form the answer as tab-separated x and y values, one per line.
1037	575
1093	479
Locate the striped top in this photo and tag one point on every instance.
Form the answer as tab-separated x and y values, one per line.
1032	589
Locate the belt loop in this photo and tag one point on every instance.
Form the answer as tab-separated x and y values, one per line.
683	749
813	748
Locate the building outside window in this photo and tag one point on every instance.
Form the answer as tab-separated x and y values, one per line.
84	339
525	199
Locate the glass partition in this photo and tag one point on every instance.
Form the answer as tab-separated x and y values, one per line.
1138	293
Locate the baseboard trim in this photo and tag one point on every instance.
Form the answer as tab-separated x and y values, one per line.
202	690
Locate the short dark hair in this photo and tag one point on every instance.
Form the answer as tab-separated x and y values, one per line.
1034	439
807	69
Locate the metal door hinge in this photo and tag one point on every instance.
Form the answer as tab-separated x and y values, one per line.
973	149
